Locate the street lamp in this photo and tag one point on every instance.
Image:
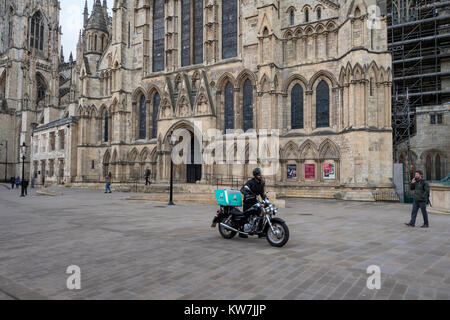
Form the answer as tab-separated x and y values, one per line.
23	150
172	144
6	159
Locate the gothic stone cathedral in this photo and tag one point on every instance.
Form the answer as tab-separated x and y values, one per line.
316	70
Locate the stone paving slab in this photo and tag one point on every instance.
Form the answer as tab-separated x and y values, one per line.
148	250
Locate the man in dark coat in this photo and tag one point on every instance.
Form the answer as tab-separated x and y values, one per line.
147	176
421	196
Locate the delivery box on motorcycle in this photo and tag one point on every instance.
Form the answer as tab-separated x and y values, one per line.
228	197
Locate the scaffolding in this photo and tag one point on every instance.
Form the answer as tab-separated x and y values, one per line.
419	39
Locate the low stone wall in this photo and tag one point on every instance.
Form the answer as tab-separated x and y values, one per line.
440	198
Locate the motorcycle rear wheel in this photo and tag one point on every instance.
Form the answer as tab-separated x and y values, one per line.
224	232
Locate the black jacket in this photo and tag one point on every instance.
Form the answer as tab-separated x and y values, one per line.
421	190
256	189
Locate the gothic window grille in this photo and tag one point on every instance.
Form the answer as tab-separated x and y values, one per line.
142	117
428	167
322	105
229	106
37	32
40	89
229	29
438	167
156	102
248	105
158	35
106	127
192	32
297	107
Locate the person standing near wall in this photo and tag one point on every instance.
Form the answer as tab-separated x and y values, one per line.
421	196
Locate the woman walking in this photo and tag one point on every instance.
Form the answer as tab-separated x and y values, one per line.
108	183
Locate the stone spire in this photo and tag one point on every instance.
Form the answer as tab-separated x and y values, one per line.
97	19
85	14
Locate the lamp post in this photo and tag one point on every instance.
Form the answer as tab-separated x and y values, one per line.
172	144
6	159
23	150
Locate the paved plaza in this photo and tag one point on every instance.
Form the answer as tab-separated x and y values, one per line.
146	250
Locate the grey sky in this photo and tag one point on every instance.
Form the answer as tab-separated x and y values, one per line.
71	21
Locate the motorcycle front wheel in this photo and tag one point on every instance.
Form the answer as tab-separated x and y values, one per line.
281	235
224	232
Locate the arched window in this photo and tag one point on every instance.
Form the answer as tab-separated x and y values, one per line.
291	17
37	32
306	15
428	167
40	88
156	102
106	127
437	167
248	105
191	32
229	29
158	35
142	118
297	107
229	106
322	105
319	14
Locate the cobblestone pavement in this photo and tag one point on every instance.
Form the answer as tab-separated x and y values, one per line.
146	250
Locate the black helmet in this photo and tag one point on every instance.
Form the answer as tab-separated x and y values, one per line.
256	171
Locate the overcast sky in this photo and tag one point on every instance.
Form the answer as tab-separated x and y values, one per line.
71	21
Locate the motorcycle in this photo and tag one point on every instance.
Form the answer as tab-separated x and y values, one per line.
257	220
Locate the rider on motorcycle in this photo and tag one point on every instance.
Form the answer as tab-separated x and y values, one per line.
253	188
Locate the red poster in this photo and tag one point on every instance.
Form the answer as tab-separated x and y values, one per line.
310	171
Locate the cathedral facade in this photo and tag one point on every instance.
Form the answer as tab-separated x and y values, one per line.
317	71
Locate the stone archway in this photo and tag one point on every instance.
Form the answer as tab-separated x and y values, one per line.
185	172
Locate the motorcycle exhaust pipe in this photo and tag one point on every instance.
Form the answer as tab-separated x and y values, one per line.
232	229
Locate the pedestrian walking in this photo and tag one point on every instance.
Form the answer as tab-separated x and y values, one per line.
17	182
13	182
421	195
147	177
25	186
108	183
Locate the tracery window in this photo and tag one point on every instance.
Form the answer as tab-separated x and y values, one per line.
37	32
248	105
322	105
229	106
158	35
297	107
142	118
229	29
156	102
191	32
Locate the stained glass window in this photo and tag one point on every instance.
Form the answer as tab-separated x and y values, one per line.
156	102
185	33
229	29
158	35
322	105
191	40
142	118
229	106
248	105
297	107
